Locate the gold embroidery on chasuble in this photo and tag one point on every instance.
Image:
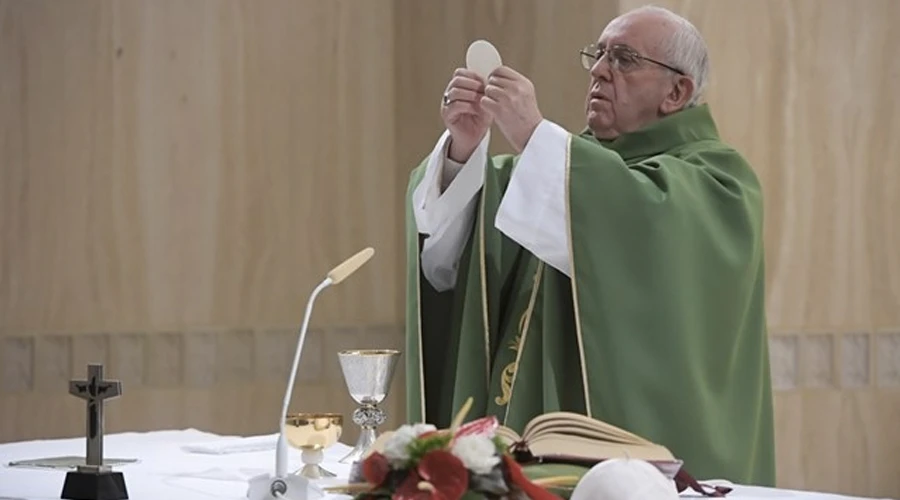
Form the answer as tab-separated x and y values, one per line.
508	376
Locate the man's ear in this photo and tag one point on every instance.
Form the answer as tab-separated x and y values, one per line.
678	96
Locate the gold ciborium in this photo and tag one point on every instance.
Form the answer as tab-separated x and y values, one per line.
312	433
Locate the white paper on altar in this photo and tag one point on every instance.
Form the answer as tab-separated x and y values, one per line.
226	446
166	470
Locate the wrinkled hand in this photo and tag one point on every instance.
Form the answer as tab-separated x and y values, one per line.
509	97
463	115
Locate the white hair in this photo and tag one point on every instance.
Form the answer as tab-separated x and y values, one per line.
685	49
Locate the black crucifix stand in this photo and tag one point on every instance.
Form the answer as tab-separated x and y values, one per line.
94	480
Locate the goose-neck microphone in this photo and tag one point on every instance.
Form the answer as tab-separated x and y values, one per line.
282	485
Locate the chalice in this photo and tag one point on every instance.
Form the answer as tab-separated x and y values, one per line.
368	374
312	433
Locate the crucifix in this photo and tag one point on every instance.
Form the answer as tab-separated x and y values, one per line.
94	480
95	391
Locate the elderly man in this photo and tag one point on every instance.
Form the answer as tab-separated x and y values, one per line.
617	272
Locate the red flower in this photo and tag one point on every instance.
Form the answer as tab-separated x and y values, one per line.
409	488
481	427
375	468
438	476
518	478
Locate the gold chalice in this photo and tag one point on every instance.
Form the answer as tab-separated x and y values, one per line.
312	433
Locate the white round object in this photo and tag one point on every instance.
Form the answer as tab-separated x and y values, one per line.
624	479
483	58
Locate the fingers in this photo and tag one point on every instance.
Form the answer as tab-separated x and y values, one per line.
501	91
467	93
465	79
458	108
506	73
512	82
460	94
495	93
465	87
467	73
490	106
506	87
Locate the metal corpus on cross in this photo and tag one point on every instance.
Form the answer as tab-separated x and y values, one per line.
95	391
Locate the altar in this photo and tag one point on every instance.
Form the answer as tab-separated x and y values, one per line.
191	464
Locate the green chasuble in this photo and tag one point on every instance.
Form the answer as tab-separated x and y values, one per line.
661	330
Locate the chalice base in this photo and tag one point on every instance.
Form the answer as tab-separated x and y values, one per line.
315	471
363	444
311	458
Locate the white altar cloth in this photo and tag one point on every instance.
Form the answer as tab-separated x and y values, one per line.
193	465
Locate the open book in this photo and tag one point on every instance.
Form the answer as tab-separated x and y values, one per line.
563	437
572	437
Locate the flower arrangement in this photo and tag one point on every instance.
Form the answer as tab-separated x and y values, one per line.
420	462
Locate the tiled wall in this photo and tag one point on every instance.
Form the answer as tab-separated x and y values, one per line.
38	367
852	360
225	381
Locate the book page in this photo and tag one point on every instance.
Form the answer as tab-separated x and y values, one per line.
508	435
580	425
563	445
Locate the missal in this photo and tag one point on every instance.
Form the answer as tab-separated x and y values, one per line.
564	437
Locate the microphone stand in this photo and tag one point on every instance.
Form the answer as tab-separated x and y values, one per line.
282	446
294	486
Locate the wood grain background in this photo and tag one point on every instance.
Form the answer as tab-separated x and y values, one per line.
176	176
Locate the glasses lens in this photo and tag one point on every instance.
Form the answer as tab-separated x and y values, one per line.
624	58
588	57
587	61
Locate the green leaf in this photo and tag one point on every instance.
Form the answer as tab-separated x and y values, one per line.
418	448
500	445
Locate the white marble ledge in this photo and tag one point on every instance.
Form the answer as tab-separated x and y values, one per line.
190	464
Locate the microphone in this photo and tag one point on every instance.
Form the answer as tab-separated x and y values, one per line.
294	486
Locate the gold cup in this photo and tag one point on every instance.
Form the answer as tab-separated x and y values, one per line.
312	433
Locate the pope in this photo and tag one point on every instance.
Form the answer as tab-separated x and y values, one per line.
616	272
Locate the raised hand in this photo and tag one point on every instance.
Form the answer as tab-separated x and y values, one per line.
463	115
509	97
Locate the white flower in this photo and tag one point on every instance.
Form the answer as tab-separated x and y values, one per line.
477	453
396	449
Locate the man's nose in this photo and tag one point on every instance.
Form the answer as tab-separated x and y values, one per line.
601	69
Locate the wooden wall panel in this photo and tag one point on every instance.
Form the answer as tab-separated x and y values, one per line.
172	164
57	219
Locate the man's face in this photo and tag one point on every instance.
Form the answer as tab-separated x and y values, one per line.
625	97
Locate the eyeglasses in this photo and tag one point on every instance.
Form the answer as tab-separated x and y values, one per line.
621	57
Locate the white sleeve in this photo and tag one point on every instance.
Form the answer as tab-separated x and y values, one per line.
445	216
533	210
